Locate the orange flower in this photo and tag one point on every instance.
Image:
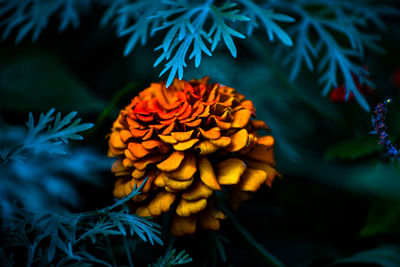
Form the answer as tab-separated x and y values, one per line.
189	139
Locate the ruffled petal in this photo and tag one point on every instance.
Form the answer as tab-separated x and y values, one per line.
230	170
183	225
238	141
252	179
186	208
172	162
197	191
207	174
161	203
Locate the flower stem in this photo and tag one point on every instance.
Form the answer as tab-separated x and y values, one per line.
267	256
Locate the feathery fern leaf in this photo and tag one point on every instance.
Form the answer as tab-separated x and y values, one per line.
171	259
34	15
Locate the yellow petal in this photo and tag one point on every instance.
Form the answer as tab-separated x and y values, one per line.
136	174
169	189
142	163
161	203
181	146
238	141
183	225
241	118
212	133
252	179
182	136
207	174
177	185
206	147
271	172
115	140
267	140
223	141
168	139
186	208
118	169
172	162
230	170
159	181
143	212
112	151
197	191
186	170
118	191
209	219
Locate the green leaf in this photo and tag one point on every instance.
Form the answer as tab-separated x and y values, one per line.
38	81
384	218
354	148
386	256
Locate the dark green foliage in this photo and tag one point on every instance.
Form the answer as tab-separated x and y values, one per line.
337	203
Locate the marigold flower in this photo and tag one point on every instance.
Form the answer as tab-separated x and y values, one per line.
190	140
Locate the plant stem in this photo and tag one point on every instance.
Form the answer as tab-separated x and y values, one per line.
267	256
117	97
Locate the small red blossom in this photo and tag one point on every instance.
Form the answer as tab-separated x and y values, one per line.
338	94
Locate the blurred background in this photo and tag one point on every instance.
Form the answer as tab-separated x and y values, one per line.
338	198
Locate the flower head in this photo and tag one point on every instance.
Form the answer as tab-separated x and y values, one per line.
190	140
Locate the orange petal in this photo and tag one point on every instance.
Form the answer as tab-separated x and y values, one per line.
206	147
194	123
137	133
262	153
186	208
248	104
207	174
183	225
267	140
177	185
197	191
138	150
230	170
169	129
136	174
181	146
186	169
252	179
161	203
125	135
238	141
182	136
259	124
115	140
142	163
127	163
241	118
212	133
172	162
149	134
223	141
150	144
169	189
129	155
168	139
